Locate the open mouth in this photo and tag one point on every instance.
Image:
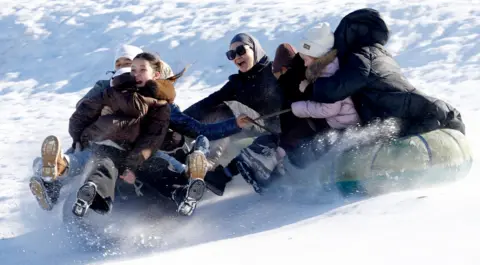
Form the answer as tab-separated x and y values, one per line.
241	63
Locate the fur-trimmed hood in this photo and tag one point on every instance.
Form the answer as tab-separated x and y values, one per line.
323	66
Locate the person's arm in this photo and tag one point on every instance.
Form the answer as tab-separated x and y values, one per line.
348	80
153	133
190	127
97	89
311	109
86	113
203	107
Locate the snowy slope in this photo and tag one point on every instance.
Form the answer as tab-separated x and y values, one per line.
54	51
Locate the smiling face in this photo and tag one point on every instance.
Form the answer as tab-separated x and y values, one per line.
246	61
122	62
143	71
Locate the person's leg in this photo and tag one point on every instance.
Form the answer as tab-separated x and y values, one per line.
188	196
314	149
217	147
53	161
98	192
255	163
53	169
76	163
185	188
230	109
173	163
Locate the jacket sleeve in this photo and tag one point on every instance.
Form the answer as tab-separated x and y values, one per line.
131	104
86	113
311	109
188	126
348	80
203	107
97	90
154	129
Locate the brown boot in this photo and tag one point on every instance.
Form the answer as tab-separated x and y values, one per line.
197	165
54	163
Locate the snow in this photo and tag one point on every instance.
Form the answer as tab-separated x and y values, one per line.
54	51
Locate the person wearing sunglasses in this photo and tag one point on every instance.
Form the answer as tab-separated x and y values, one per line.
253	91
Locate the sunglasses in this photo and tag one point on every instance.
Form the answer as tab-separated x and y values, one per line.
240	50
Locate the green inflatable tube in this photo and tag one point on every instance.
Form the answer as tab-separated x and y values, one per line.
417	161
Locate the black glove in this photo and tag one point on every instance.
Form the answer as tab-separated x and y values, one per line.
124	81
77	147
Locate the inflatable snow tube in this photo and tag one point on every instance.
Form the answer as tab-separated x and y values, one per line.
416	161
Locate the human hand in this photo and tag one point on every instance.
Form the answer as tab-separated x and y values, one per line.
243	121
128	176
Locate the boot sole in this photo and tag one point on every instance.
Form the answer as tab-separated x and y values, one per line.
213	189
85	196
196	189
50	155
40	192
201	164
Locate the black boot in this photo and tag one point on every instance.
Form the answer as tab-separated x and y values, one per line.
46	193
88	198
85	196
187	197
217	180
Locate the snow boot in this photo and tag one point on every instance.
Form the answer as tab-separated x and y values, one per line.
197	163
261	158
46	193
249	175
54	163
85	196
187	197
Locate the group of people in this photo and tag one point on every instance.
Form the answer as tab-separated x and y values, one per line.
330	81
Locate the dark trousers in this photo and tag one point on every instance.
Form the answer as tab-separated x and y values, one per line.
156	174
107	165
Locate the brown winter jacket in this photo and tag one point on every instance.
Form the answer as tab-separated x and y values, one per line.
135	121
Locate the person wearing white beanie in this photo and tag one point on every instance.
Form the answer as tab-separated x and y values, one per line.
316	41
125	54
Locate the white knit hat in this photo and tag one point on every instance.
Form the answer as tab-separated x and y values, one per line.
317	41
127	51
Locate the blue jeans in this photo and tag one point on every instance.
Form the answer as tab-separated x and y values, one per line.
76	163
201	144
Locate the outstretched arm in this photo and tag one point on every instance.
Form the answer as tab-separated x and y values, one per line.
312	109
345	82
203	107
190	127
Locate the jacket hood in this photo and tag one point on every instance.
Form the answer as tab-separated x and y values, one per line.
361	28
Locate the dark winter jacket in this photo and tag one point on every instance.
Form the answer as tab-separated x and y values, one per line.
257	89
373	79
179	122
135	122
97	89
294	129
